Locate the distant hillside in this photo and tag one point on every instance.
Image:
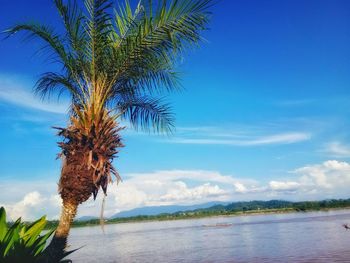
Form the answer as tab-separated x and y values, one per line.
251	205
166	209
273	205
86	218
221	208
211	209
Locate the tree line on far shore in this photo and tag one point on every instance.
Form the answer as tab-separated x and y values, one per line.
229	209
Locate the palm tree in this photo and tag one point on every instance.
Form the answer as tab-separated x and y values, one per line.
114	66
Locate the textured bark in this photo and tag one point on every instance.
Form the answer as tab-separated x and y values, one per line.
69	210
88	149
90	144
76	183
56	250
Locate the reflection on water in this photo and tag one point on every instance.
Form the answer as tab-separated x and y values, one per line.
296	237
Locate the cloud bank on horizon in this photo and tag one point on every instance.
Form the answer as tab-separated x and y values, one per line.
329	179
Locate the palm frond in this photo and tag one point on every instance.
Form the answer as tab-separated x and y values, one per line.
98	28
147	113
72	18
51	82
53	41
157	37
152	79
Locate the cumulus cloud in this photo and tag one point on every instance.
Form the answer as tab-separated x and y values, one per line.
169	187
33	205
329	175
181	192
283	186
330	179
240	188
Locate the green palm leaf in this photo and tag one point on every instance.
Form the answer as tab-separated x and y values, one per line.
135	53
3	225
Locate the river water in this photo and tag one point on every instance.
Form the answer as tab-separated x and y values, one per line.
295	237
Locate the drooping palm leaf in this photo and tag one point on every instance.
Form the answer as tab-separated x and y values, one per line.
147	112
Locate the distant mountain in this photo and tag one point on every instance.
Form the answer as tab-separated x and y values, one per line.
166	209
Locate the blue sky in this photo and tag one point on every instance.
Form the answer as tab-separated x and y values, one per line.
264	113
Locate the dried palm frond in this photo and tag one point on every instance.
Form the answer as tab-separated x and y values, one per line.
90	144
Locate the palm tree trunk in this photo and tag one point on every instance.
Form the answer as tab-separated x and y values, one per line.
55	251
87	155
69	210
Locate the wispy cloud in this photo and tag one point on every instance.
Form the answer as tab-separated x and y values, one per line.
244	135
13	90
281	138
337	149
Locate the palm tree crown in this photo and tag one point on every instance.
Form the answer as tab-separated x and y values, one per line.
121	61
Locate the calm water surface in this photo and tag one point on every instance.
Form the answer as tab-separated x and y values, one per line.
296	237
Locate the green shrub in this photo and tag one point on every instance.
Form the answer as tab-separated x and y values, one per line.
20	242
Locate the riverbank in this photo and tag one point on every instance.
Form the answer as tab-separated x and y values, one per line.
193	215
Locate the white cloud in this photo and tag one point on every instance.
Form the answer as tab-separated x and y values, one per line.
169	187
32	206
181	192
283	186
13	90
327	176
240	188
128	196
330	179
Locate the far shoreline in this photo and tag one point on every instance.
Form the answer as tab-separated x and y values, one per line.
138	219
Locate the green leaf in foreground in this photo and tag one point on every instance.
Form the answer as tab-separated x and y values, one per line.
20	242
